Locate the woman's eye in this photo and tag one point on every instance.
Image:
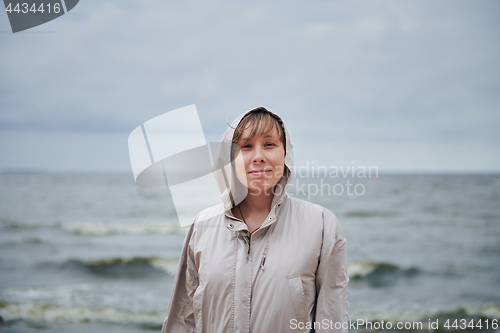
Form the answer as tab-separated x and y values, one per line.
270	144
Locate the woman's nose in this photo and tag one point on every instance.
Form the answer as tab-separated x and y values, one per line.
258	155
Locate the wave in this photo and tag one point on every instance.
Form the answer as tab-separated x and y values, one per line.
28	242
379	274
37	312
50	313
368	271
124	267
96	229
367	213
13	224
103	229
467	313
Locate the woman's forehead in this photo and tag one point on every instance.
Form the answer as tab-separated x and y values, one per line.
249	134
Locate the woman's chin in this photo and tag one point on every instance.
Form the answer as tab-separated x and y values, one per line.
266	189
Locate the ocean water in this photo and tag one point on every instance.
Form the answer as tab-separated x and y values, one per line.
94	252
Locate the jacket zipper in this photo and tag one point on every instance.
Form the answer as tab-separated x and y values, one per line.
264	254
248	243
247	240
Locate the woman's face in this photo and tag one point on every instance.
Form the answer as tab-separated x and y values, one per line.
260	161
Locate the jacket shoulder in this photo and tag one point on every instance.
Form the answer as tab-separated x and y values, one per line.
210	212
209	216
311	207
329	221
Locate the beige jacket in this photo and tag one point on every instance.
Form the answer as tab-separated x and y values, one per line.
289	276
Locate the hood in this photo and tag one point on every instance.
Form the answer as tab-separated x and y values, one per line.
223	170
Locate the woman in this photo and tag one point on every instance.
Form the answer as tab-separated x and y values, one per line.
262	261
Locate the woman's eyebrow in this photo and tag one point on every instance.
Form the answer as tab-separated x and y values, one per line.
246	139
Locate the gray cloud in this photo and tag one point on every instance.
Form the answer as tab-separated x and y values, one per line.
371	79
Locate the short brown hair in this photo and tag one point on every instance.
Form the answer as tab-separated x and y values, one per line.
260	121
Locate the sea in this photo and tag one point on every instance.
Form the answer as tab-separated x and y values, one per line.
97	253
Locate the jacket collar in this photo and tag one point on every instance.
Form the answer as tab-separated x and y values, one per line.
236	225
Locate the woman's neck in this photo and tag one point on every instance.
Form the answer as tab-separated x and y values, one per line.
254	210
260	202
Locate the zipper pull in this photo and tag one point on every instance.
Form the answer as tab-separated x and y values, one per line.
262	262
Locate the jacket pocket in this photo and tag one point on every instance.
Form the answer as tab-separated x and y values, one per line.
298	298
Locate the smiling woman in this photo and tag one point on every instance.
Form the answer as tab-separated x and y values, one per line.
261	261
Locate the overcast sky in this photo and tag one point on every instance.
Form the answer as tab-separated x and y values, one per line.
403	85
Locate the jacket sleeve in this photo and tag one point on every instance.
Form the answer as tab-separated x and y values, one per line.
180	316
332	278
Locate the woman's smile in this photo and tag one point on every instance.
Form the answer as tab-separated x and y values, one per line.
258	173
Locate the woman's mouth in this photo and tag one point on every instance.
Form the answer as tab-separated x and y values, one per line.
259	172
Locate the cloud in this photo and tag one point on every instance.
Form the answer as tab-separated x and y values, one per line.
388	72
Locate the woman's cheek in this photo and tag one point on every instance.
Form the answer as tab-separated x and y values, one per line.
241	173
